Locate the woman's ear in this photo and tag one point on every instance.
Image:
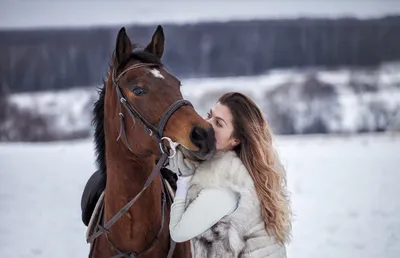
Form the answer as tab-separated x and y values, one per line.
235	142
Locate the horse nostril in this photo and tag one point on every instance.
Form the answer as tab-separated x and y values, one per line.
202	138
198	135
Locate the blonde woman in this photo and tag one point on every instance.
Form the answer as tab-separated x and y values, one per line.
236	204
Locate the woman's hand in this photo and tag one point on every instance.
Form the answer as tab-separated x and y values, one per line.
181	166
184	169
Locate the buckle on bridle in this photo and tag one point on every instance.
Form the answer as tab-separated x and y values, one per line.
148	130
172	145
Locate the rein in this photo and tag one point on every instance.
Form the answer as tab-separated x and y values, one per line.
157	133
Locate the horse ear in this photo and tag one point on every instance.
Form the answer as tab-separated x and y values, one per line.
123	48
156	46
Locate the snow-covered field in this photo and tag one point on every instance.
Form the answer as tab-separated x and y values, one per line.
345	195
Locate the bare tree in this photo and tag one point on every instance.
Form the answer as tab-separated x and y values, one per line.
382	116
4	92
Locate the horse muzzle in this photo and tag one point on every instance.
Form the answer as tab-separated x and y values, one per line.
204	139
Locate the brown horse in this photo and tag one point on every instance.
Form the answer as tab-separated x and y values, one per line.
140	104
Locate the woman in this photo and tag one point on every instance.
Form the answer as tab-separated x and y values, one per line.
236	204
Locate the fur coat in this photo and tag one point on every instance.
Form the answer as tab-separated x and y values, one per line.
240	234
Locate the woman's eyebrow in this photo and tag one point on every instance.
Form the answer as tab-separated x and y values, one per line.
217	117
221	119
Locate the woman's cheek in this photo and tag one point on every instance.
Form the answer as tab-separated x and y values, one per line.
217	136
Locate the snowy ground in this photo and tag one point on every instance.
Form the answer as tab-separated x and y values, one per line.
344	192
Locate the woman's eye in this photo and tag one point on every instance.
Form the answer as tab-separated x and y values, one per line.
138	91
219	124
208	115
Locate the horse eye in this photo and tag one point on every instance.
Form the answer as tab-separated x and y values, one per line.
138	91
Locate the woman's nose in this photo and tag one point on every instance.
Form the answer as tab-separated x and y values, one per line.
209	121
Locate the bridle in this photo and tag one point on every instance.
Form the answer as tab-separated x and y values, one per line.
157	133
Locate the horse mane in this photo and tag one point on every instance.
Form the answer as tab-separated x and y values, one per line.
98	123
140	54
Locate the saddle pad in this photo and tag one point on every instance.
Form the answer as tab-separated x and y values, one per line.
90	196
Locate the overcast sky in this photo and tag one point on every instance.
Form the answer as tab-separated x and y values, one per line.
55	13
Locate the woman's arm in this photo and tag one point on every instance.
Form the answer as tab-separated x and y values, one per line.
208	208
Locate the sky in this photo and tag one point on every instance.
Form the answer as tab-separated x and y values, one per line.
77	13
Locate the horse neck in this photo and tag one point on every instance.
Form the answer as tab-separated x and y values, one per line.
126	176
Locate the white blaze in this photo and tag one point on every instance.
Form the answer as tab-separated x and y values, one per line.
156	73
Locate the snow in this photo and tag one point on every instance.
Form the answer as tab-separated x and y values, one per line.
40	190
58	13
344	196
70	110
344	193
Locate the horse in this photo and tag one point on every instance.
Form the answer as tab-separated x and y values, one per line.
139	114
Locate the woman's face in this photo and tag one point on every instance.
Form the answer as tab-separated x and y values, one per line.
220	117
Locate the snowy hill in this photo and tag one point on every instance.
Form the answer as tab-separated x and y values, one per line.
294	101
344	195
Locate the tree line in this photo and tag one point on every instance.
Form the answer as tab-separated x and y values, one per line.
51	59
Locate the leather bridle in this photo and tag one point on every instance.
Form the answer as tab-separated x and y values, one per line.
154	131
157	133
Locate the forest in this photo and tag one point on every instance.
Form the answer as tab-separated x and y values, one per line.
52	59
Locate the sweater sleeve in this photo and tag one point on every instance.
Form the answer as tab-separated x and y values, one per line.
208	208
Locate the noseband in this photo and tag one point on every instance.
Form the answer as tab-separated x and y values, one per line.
157	133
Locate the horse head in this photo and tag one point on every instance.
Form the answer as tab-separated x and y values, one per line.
149	91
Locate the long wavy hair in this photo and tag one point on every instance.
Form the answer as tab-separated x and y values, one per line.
262	161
